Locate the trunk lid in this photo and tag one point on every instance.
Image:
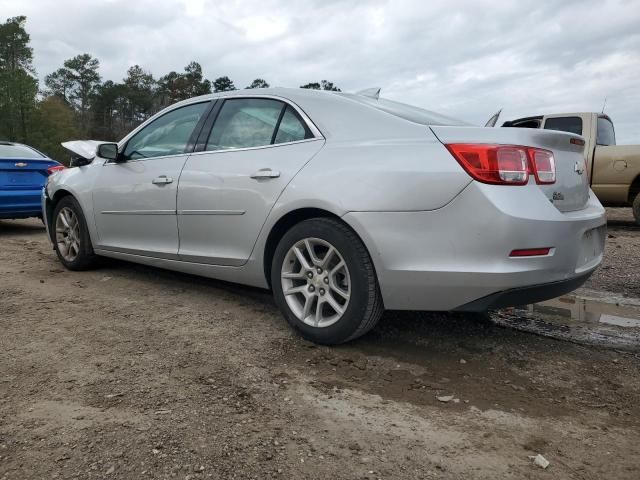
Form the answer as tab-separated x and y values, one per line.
570	191
24	173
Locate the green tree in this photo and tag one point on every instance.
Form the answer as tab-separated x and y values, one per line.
60	84
139	89
259	83
18	84
174	86
323	85
53	122
223	84
83	69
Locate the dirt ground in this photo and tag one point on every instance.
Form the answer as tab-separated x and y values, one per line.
136	373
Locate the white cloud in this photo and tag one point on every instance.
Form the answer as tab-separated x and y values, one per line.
464	58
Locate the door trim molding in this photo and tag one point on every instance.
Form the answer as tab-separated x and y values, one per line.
138	212
211	212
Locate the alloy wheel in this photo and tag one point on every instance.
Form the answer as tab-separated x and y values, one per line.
316	282
68	234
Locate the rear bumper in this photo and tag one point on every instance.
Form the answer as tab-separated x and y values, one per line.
20	203
457	257
525	295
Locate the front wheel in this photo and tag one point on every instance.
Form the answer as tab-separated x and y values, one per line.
72	242
324	282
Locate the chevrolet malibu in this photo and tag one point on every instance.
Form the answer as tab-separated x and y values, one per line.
342	204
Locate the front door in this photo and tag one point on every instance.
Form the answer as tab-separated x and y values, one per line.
134	199
226	192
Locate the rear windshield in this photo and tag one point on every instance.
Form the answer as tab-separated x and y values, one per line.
564	124
407	112
605	135
9	150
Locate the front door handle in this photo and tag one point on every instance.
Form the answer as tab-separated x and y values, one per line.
266	173
162	180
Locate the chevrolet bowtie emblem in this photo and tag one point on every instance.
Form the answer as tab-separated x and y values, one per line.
20	164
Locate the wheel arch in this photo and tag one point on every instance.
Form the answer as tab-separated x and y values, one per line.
286	222
634	188
51	205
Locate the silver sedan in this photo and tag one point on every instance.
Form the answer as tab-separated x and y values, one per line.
342	204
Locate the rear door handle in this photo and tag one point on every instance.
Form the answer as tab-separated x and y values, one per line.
162	180
266	173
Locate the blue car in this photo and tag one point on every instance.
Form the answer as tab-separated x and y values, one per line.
23	173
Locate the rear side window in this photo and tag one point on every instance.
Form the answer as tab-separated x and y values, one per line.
292	128
564	124
8	150
255	122
606	135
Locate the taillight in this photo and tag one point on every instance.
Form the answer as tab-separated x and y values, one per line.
544	166
55	168
505	164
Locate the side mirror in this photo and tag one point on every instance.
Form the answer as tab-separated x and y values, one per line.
108	151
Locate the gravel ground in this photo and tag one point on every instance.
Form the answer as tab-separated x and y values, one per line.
620	271
136	373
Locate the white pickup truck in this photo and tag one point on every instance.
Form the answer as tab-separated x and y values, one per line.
614	170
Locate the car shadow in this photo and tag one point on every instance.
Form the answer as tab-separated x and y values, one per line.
21	227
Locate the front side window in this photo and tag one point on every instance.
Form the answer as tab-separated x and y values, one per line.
606	135
255	122
564	124
167	135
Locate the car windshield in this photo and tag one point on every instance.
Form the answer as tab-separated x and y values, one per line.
10	150
408	112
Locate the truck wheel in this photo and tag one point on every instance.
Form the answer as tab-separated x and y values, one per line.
636	208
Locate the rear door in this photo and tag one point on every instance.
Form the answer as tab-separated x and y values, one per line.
134	199
227	189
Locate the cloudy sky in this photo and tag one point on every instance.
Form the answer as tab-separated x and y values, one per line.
463	58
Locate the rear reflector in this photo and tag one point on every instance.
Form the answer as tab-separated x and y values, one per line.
576	141
55	168
530	252
505	164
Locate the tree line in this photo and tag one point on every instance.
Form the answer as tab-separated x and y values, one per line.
75	103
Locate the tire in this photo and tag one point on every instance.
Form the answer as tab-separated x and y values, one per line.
351	288
82	256
636	208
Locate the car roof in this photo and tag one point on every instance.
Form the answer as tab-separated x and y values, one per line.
336	115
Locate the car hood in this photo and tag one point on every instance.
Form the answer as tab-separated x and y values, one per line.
84	148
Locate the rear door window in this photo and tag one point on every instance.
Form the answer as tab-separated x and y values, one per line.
606	135
245	123
564	124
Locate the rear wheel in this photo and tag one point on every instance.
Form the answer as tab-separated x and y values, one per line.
636	208
324	282
71	237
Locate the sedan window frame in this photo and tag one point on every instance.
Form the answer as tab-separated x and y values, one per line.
201	143
191	143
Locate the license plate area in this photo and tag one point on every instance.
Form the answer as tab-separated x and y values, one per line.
591	246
